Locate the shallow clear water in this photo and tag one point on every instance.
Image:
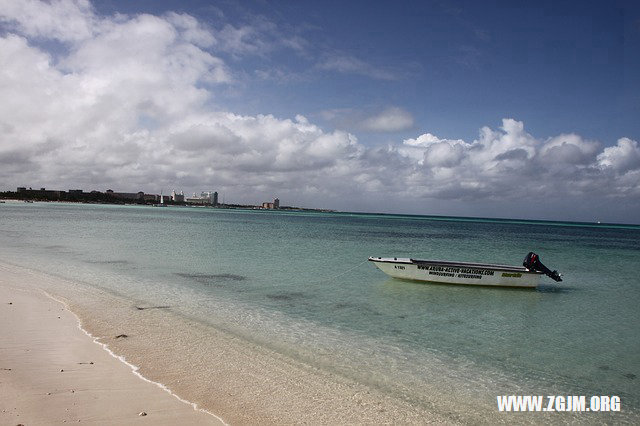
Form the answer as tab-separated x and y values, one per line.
299	283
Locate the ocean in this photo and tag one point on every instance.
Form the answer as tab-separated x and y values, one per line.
299	285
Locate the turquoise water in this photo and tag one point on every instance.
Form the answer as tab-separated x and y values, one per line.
299	283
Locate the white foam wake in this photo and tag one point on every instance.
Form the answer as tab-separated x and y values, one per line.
134	368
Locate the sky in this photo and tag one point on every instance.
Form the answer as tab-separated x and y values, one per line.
507	109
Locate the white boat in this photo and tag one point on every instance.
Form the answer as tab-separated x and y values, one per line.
467	273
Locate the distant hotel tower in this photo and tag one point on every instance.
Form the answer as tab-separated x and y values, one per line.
178	198
274	205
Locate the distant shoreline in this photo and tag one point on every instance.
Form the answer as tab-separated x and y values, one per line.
545	222
14	197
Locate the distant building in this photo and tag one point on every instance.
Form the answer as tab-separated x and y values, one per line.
270	206
42	193
205	199
177	198
76	194
134	196
197	200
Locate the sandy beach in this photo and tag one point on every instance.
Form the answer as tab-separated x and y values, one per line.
51	372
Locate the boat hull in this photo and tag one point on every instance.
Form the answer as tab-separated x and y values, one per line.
457	272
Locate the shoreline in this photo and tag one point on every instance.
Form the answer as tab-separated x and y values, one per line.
52	370
434	217
242	382
228	311
134	369
220	206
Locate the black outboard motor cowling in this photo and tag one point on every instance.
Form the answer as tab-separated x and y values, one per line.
532	262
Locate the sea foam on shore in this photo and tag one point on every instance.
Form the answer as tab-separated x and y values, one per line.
52	372
239	381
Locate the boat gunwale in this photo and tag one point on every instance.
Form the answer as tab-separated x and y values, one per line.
449	264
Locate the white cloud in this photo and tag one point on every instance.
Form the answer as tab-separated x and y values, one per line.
503	163
390	120
623	157
444	154
569	149
64	20
240	40
257	36
193	31
126	105
351	65
428	146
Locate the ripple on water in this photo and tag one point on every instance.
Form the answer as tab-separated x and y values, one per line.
211	279
286	296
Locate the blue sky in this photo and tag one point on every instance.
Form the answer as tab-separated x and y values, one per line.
560	66
435	107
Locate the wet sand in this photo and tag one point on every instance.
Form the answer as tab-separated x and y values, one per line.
239	381
51	372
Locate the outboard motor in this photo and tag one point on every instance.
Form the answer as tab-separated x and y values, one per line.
532	263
